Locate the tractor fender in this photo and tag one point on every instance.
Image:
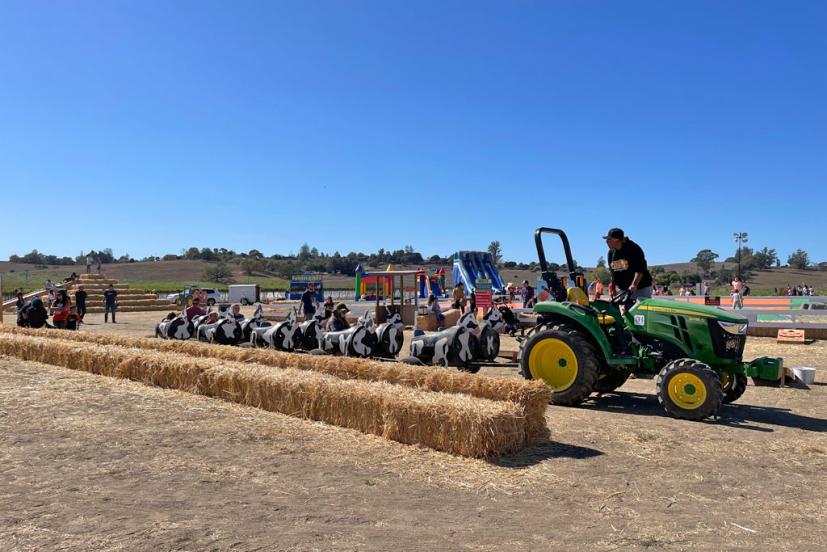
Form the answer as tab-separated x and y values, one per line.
578	317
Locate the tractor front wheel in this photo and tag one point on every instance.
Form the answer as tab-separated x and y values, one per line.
734	386
689	389
565	360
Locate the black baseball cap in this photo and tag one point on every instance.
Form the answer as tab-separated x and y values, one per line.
615	234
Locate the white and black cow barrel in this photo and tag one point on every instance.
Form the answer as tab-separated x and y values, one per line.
175	328
488	344
389	337
227	331
249	325
453	346
356	341
284	336
309	332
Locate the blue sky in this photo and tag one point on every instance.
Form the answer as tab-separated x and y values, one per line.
152	126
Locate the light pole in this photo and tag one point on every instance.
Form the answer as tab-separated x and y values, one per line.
741	238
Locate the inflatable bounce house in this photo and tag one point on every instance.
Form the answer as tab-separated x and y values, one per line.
373	287
432	283
470	265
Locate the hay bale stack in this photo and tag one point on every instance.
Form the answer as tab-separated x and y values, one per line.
461	425
532	396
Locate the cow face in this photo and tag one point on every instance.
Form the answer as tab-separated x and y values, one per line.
366	321
395	320
469	322
494	319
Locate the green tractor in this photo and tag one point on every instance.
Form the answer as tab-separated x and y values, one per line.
580	347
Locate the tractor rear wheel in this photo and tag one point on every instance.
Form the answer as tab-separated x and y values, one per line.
689	389
734	386
565	360
609	381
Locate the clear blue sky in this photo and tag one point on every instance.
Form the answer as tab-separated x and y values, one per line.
444	125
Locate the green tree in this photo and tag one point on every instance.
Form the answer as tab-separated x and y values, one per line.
304	253
601	263
799	259
219	273
764	258
496	251
704	259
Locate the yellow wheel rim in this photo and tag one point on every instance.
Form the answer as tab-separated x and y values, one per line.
687	391
554	362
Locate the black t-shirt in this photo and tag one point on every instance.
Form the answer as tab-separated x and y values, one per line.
80	297
309	301
625	262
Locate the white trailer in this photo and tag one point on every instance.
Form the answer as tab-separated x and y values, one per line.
246	294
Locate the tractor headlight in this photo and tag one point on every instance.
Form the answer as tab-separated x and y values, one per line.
736	328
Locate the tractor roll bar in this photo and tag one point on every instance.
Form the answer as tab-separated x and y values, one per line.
538	240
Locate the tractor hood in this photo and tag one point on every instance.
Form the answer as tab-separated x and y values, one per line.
677	307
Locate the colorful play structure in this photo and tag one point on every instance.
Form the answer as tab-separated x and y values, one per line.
387	288
471	265
432	283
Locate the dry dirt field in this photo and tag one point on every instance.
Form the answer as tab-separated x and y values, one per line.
91	463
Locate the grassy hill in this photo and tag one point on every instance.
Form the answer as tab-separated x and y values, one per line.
167	276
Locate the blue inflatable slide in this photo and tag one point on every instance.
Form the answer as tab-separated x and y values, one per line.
470	265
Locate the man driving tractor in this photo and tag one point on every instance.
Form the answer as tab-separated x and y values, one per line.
627	263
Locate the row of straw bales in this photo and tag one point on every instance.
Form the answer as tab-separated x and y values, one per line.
533	396
437	412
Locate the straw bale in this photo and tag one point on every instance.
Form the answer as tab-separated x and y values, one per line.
533	396
461	425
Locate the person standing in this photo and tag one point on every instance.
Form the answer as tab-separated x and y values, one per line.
88	264
472	302
528	295
80	302
99	265
459	297
309	301
110	302
627	264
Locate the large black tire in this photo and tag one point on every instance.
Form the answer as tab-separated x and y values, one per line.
608	381
734	387
565	360
689	389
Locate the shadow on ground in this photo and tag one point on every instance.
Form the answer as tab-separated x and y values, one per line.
741	416
544	451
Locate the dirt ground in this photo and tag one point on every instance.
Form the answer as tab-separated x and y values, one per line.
92	463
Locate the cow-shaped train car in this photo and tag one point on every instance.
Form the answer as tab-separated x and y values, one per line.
284	336
357	341
225	331
255	322
175	327
488	342
452	346
311	330
389	337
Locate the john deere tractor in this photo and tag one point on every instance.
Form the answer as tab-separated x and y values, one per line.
579	347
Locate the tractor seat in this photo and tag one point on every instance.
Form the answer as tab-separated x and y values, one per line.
605	319
577	295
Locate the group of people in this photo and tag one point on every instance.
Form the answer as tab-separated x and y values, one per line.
59	306
801	290
335	314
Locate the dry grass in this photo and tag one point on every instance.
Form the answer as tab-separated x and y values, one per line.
532	396
467	426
